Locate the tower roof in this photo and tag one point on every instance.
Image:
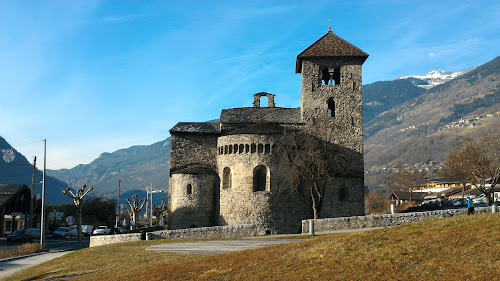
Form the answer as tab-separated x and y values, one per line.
330	45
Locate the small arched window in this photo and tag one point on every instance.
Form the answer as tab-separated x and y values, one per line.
226	178
253	148
189	189
325	77
331	108
241	149
259	178
260	148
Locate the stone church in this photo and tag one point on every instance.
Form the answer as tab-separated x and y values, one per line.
227	173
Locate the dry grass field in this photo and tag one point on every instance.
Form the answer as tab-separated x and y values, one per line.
457	248
24	249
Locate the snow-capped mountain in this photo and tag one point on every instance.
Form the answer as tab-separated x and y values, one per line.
432	78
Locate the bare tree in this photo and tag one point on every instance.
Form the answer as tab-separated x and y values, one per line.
159	212
457	168
406	179
135	208
77	199
478	161
310	163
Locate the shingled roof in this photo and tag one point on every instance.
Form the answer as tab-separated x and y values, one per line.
259	128
196	127
8	191
330	45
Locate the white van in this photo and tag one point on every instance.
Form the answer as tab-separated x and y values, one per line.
86	230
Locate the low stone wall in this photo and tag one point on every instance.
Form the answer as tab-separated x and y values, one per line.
214	232
100	240
384	220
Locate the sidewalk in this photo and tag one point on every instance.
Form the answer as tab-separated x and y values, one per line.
11	266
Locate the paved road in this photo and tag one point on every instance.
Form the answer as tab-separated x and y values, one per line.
9	267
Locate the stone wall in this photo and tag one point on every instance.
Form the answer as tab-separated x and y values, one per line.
384	220
215	232
192	149
239	203
192	200
100	240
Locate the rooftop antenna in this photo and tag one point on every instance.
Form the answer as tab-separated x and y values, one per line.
330	27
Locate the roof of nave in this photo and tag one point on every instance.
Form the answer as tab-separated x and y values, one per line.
260	115
196	127
198	169
259	128
330	45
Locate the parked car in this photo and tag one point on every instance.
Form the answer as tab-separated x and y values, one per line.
479	199
118	230
101	230
34	233
19	236
459	202
61	232
86	230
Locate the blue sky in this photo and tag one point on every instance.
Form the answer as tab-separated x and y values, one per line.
96	76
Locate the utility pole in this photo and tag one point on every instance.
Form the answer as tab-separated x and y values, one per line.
42	235
119	207
32	199
151	207
77	199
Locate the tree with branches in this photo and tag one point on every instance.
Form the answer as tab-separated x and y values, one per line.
477	160
310	164
135	208
159	212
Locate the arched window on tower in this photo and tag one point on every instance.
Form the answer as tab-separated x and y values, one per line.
189	189
325	77
259	178
331	108
226	178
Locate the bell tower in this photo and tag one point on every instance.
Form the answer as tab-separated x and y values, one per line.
331	104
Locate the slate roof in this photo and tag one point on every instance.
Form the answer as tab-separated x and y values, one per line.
7	191
330	45
260	115
259	128
196	127
198	169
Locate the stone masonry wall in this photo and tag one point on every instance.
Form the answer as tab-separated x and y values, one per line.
192	149
384	220
194	207
239	204
346	128
216	232
100	240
